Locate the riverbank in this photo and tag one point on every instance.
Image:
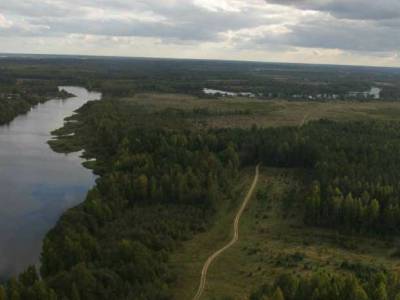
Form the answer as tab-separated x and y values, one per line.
21	100
36	184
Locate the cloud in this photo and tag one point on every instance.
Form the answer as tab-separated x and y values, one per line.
180	20
349	9
4	23
327	33
222	28
349	25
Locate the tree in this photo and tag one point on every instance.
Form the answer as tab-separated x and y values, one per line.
232	156
2	293
278	294
75	293
289	285
313	205
380	292
316	294
14	290
373	212
29	277
336	205
142	185
358	293
348	210
39	291
153	189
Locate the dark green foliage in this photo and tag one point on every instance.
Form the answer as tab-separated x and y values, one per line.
358	172
354	167
28	286
160	180
330	286
157	188
17	97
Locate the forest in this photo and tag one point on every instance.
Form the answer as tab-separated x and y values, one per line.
353	166
160	185
161	181
331	286
357	183
19	96
157	187
121	77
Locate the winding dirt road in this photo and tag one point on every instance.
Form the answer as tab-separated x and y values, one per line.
234	239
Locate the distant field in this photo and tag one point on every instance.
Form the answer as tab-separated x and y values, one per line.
245	112
272	243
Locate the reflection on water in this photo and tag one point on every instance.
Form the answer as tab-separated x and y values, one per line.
36	184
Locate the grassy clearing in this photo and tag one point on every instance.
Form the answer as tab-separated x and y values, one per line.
270	243
189	259
244	112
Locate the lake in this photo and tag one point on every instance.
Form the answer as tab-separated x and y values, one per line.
36	184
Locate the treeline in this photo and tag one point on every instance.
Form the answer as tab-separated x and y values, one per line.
357	177
331	286
18	97
354	166
121	77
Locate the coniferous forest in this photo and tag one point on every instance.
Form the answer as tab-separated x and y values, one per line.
164	174
160	186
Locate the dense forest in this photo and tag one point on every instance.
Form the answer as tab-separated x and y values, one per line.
354	167
161	179
160	185
331	286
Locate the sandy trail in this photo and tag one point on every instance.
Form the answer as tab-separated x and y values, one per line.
234	239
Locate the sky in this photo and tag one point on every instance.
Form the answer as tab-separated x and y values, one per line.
357	32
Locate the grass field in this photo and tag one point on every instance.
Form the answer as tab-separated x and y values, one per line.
189	259
244	112
272	242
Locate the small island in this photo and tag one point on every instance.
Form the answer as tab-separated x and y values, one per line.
63	94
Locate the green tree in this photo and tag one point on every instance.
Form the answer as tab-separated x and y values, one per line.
278	294
2	293
39	291
380	292
29	277
14	290
313	205
142	185
75	293
289	285
358	293
373	212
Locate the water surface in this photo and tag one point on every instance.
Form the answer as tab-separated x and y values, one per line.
36	184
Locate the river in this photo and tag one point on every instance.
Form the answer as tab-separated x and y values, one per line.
36	184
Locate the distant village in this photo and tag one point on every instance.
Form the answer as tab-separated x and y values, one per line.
373	93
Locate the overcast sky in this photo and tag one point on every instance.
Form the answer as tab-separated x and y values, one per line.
365	32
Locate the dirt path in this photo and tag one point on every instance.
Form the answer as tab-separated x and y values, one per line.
234	239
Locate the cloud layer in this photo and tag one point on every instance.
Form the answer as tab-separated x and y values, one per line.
331	31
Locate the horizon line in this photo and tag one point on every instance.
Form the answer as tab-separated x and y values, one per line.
4	55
